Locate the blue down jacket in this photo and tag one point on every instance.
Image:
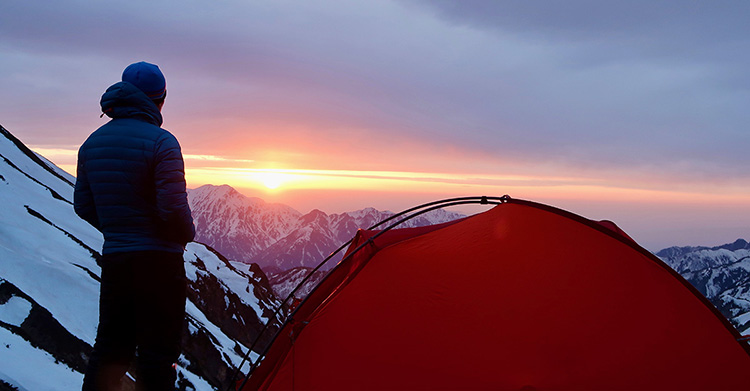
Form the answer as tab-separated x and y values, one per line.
131	178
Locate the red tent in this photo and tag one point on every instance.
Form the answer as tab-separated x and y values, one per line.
521	297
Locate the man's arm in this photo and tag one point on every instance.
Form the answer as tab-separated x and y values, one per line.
83	199
176	221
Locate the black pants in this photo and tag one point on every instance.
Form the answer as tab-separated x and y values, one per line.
141	309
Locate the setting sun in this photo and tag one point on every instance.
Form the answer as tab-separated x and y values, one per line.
271	180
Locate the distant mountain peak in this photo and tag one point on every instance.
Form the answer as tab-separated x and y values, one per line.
314	216
738	245
679	251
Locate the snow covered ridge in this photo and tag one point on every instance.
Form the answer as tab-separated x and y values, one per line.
285	282
49	288
276	236
721	273
690	259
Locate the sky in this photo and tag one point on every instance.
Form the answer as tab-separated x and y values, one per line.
635	112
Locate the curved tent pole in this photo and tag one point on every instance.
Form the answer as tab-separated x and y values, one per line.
482	200
418	210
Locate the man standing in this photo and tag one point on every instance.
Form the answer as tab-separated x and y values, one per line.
131	186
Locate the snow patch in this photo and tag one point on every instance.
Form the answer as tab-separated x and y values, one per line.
233	281
199	383
21	365
15	311
226	345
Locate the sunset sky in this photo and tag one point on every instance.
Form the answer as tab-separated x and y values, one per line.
631	111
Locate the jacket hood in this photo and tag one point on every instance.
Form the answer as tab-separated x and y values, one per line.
124	100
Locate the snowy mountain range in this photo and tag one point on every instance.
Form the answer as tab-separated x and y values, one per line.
721	273
49	288
277	237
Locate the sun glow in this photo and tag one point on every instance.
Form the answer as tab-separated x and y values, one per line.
271	180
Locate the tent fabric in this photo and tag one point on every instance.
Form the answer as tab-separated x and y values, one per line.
521	297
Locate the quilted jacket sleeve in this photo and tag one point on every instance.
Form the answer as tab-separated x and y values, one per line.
176	221
83	199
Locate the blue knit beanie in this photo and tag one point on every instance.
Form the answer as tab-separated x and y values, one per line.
147	77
